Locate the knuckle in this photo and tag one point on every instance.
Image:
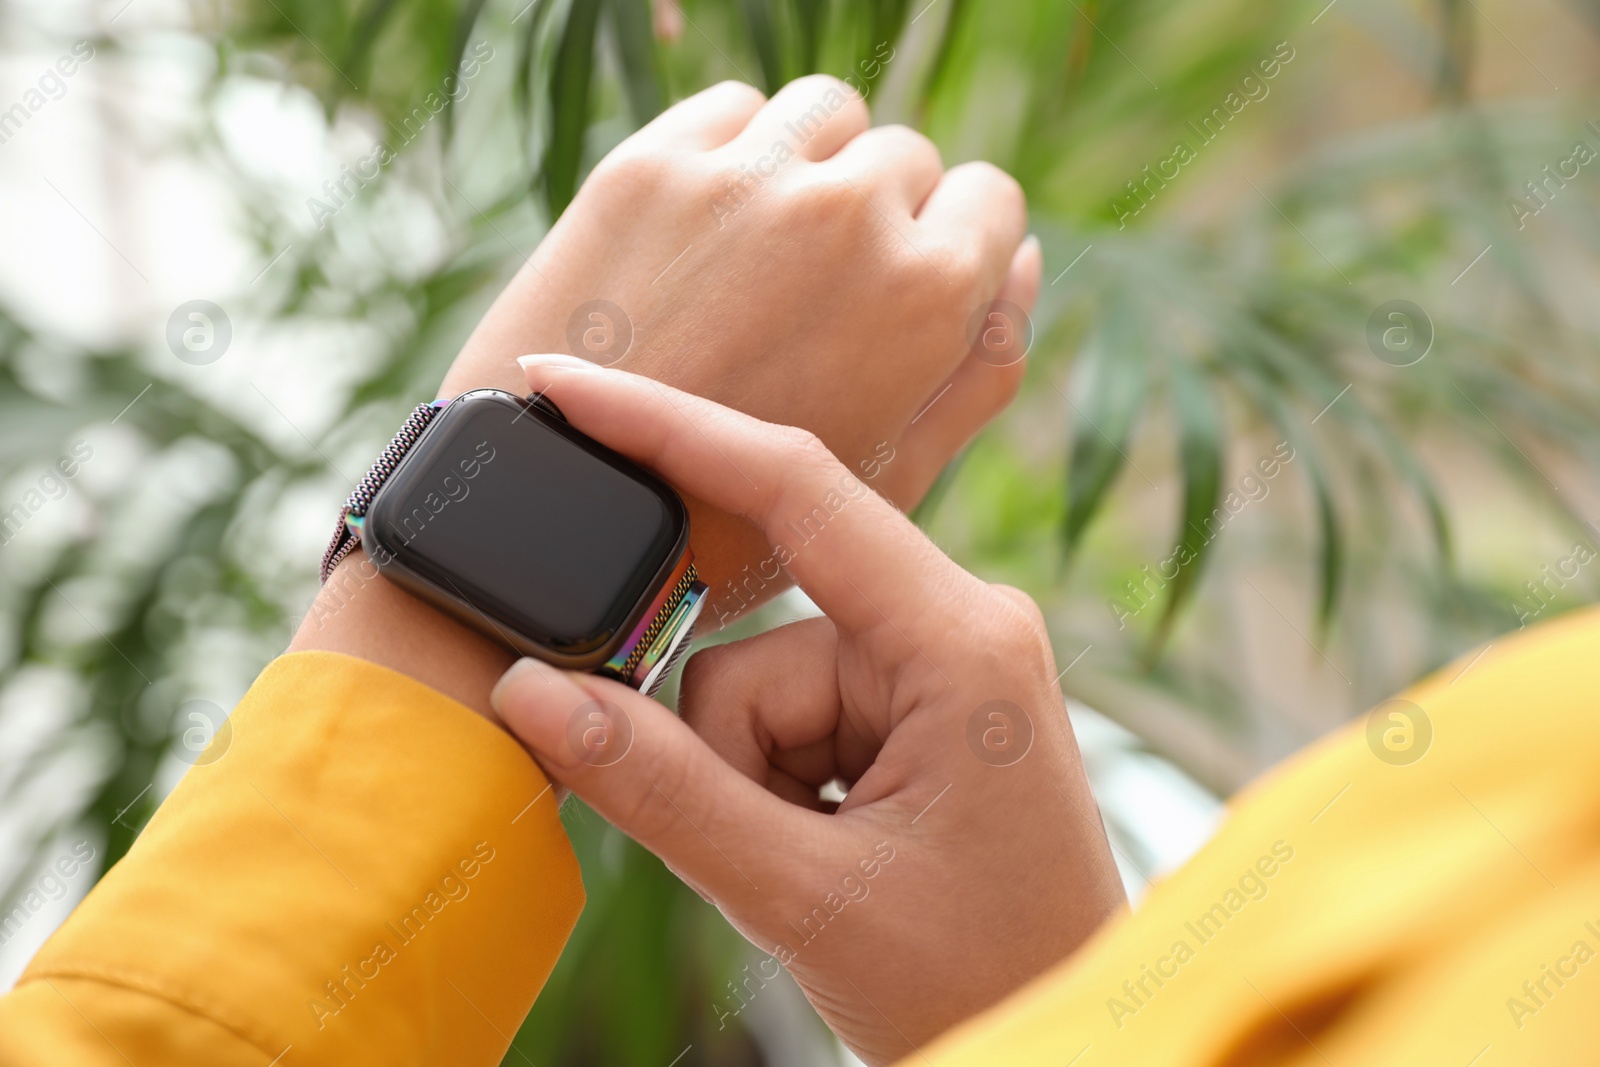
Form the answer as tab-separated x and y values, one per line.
736	92
1022	602
807	460
957	262
635	173
643	814
1009	192
654	806
1019	626
1001	380
700	683
811	86
823	198
826	97
808	447
816	83
903	139
1005	382
1000	188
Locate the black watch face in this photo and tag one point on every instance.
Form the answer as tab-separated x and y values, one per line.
529	521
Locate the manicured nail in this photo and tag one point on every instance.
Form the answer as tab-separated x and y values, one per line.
513	674
556	359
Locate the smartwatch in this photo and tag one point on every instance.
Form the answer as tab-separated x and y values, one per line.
495	510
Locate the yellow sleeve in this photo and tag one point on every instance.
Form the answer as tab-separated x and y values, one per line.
1423	887
368	873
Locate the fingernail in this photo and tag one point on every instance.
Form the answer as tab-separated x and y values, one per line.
556	359
1031	240
508	680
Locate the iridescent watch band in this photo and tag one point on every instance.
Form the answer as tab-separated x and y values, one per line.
662	636
655	646
348	533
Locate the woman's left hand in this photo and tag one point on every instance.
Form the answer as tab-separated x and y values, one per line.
830	283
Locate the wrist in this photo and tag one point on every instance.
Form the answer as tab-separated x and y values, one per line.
419	621
360	614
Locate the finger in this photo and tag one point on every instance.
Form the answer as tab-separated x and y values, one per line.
708	119
770	707
635	763
979	206
896	160
813	117
858	558
984	382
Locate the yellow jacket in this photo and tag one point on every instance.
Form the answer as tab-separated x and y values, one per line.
374	874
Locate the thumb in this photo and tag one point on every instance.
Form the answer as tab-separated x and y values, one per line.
647	773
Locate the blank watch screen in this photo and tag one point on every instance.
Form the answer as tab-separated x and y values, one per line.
530	522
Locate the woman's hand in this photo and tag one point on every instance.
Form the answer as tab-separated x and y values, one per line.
782	258
778	257
968	854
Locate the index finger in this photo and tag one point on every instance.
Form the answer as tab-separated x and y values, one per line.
854	554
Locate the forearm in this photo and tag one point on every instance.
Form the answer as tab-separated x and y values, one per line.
358	613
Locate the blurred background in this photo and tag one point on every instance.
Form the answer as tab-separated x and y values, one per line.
1312	407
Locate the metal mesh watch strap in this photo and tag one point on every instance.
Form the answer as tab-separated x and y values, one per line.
646	659
348	534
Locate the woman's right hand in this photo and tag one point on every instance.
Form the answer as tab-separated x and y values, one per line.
968	854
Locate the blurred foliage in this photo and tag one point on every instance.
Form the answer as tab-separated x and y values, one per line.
1203	333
